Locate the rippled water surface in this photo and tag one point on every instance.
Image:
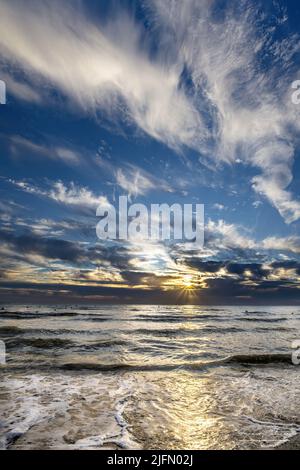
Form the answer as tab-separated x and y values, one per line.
159	377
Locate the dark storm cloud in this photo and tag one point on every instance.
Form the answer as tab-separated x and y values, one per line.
256	270
117	255
237	282
69	292
50	248
219	291
290	264
206	266
238	268
133	277
231	291
63	250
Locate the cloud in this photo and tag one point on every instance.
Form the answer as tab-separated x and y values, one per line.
219	207
70	195
99	66
225	269
231	241
53	228
133	182
275	159
220	235
223	47
75	196
257	204
236	107
36	257
67	155
19	143
136	181
221	291
21	90
45	247
33	248
291	244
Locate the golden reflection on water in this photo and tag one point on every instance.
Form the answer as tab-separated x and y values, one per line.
182	413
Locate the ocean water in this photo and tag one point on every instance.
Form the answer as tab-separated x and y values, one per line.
148	377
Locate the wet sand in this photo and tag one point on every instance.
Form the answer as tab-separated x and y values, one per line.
292	444
152	377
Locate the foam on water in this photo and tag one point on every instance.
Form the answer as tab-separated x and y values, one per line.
65	412
148	377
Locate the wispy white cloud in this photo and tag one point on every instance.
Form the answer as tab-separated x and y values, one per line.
291	244
222	237
257	204
99	66
249	103
135	181
75	196
21	90
238	110
64	154
70	195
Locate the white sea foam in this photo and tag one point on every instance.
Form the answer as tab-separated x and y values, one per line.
155	377
90	407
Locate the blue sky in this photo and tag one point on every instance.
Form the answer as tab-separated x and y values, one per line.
164	101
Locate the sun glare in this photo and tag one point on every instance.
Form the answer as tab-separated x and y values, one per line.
188	283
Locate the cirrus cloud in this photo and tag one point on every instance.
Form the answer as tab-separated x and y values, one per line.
236	108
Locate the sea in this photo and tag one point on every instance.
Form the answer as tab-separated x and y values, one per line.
148	377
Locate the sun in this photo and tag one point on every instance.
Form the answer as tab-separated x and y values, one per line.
185	287
188	283
187	291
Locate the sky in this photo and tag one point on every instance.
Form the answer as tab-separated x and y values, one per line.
164	101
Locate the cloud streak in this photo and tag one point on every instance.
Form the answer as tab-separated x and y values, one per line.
248	102
70	195
237	107
98	66
19	145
